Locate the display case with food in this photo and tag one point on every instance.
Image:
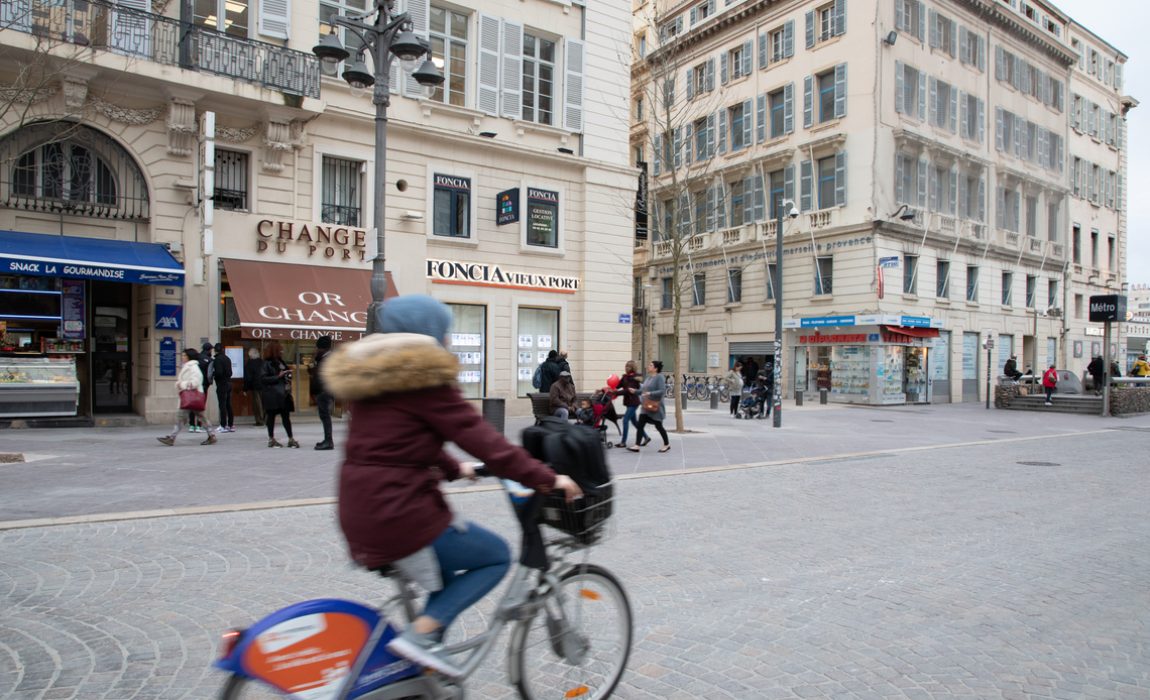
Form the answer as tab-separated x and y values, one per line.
38	386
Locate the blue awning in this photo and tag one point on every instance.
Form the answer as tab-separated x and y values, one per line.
88	259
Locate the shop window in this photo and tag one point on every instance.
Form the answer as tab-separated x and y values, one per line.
697	353
942	279
231	191
340	191
734	286
452	206
448	36
538	334
824	275
699	290
542	218
468	341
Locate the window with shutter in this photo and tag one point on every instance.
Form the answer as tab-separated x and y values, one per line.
487	99
420	12
275	17
573	85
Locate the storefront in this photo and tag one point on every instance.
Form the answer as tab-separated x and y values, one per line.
874	359
68	305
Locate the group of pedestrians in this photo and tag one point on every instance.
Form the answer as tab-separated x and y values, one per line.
267	378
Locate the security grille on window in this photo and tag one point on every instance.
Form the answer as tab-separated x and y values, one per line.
340	191
64	171
538	79
452	206
231	179
542	218
824	275
448	36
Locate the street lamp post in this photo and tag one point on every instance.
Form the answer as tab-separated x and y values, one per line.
777	399
387	36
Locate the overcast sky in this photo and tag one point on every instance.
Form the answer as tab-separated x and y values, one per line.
1123	24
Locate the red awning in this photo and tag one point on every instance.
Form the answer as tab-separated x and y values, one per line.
907	333
300	302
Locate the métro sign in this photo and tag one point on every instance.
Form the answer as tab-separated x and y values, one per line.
1107	307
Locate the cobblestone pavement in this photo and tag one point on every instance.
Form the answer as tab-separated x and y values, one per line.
1010	569
111	470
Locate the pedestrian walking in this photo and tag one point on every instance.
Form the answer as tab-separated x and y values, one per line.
1049	384
205	364
549	372
735	385
323	398
253	370
275	391
629	387
193	399
562	396
651	407
222	377
1141	367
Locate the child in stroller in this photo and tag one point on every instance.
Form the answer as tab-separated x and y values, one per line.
601	408
754	399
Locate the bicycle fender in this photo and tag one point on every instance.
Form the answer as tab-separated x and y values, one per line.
307	649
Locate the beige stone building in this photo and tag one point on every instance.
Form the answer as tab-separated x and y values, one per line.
935	153
217	136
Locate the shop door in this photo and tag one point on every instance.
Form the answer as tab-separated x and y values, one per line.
111	350
970	346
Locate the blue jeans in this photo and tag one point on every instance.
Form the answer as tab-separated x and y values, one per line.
629	420
471	563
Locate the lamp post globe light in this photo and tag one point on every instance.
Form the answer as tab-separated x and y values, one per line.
388	36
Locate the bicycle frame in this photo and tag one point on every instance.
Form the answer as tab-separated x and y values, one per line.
340	646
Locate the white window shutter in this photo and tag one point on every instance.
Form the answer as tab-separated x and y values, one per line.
488	69
275	18
419	11
511	72
573	85
899	87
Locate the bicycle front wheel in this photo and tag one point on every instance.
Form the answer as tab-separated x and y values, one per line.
577	644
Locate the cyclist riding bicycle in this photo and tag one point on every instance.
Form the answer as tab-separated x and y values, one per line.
405	406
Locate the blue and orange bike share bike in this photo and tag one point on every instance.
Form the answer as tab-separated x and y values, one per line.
571	636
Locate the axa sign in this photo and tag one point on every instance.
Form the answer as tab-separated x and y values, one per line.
1107	307
169	317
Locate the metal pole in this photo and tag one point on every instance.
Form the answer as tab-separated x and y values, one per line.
989	388
778	368
1106	369
381	97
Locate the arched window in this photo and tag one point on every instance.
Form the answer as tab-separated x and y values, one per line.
63	166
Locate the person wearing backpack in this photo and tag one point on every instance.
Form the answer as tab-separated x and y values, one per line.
323	398
1049	384
222	376
549	372
205	364
405	406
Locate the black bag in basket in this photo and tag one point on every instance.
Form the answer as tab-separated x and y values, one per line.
576	451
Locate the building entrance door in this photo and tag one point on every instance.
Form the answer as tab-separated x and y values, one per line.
111	355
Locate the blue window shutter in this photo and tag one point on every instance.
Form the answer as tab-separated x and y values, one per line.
932	21
709	218
808	102
789	182
748	123
999	63
840	17
17	14
933	100
789	108
690	85
761	119
789	39
980	53
694	15
487	99
841	90
811	29
688	142
981	121
899	194
748	200
923	167
806	176
573	85
840	178
763	51
921	21
710	75
711	129
275	17
952	202
900	20
677	146
922	96
899	87
511	99
953	110
748	51
723	68
932	204
760	200
999	137
658	168
723	117
982	198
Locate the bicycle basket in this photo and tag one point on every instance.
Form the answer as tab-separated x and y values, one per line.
584	519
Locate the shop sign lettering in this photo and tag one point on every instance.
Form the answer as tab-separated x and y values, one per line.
328	241
490	275
323	310
769	254
844	338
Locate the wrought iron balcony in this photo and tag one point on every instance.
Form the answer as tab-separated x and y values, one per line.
152	37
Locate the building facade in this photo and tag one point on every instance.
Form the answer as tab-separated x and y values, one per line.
927	149
216	141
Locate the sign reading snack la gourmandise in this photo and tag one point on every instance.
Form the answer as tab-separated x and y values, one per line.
492	275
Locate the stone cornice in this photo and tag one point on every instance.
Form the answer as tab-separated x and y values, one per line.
995	14
692	38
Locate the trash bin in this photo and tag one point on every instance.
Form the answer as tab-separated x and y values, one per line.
494	412
823	396
798	397
715	397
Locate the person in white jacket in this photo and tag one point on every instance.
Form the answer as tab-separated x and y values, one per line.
190	378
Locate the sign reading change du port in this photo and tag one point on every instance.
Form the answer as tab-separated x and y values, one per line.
1107	307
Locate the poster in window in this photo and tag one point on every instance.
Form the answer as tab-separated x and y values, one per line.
542	218
544	341
526	341
524	358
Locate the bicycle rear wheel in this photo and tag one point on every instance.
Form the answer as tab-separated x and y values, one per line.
577	644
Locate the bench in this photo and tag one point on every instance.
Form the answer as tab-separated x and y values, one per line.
541	404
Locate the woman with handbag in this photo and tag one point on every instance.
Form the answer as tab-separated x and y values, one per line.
275	393
651	408
193	399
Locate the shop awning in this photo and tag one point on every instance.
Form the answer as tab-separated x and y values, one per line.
908	333
75	257
284	301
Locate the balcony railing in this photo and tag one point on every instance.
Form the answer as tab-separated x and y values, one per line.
733	236
820	218
152	37
1035	245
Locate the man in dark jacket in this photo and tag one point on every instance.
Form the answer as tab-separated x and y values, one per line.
323	398
1094	369
253	368
1010	369
550	372
205	361
222	376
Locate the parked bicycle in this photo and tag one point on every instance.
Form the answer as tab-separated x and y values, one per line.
720	385
572	634
695	388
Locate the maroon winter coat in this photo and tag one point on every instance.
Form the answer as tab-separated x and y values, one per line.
404	407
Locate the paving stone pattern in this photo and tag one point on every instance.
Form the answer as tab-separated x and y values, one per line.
943	573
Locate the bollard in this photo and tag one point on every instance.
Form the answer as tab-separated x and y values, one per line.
823	396
494	412
714	398
798	397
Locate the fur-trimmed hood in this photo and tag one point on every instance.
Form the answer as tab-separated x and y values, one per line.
387	363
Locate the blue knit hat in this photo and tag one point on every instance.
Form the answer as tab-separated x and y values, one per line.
415	313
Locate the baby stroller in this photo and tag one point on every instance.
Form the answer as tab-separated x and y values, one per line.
753	402
603	407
